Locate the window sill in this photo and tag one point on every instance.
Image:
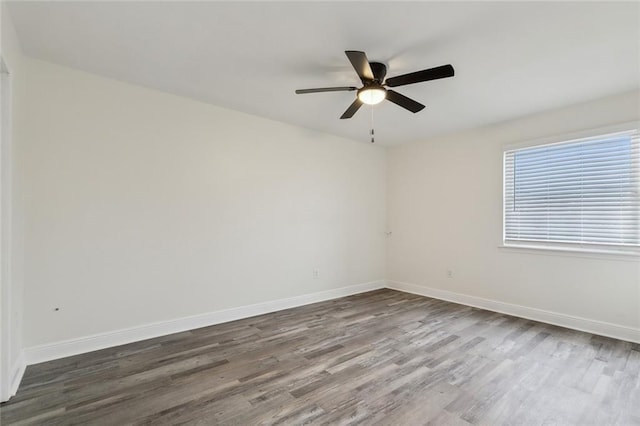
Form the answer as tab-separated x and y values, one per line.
572	252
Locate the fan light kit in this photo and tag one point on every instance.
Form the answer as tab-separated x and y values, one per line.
373	91
372	95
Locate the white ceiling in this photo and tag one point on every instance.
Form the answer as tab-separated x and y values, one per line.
511	59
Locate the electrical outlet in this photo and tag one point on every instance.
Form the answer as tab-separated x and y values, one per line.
316	274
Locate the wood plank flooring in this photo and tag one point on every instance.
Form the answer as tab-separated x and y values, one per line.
378	358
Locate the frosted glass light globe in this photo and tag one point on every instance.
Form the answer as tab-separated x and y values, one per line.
372	95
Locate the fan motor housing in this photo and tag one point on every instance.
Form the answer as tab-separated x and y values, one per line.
379	71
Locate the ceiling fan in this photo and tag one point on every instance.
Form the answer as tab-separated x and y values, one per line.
373	91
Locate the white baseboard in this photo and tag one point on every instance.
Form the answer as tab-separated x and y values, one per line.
56	350
51	351
17	372
15	377
563	320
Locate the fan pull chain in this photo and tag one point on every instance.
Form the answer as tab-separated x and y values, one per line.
372	132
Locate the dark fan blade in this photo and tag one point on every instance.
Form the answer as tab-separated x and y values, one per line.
404	102
326	89
355	106
443	71
360	64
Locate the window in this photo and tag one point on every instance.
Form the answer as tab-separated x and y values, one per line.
580	194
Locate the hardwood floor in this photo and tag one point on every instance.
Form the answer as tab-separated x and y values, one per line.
382	357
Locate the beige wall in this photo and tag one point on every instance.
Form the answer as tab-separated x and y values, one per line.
144	207
445	212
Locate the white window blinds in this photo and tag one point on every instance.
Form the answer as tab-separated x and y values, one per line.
583	192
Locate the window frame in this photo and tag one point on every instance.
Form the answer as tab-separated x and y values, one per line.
549	247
